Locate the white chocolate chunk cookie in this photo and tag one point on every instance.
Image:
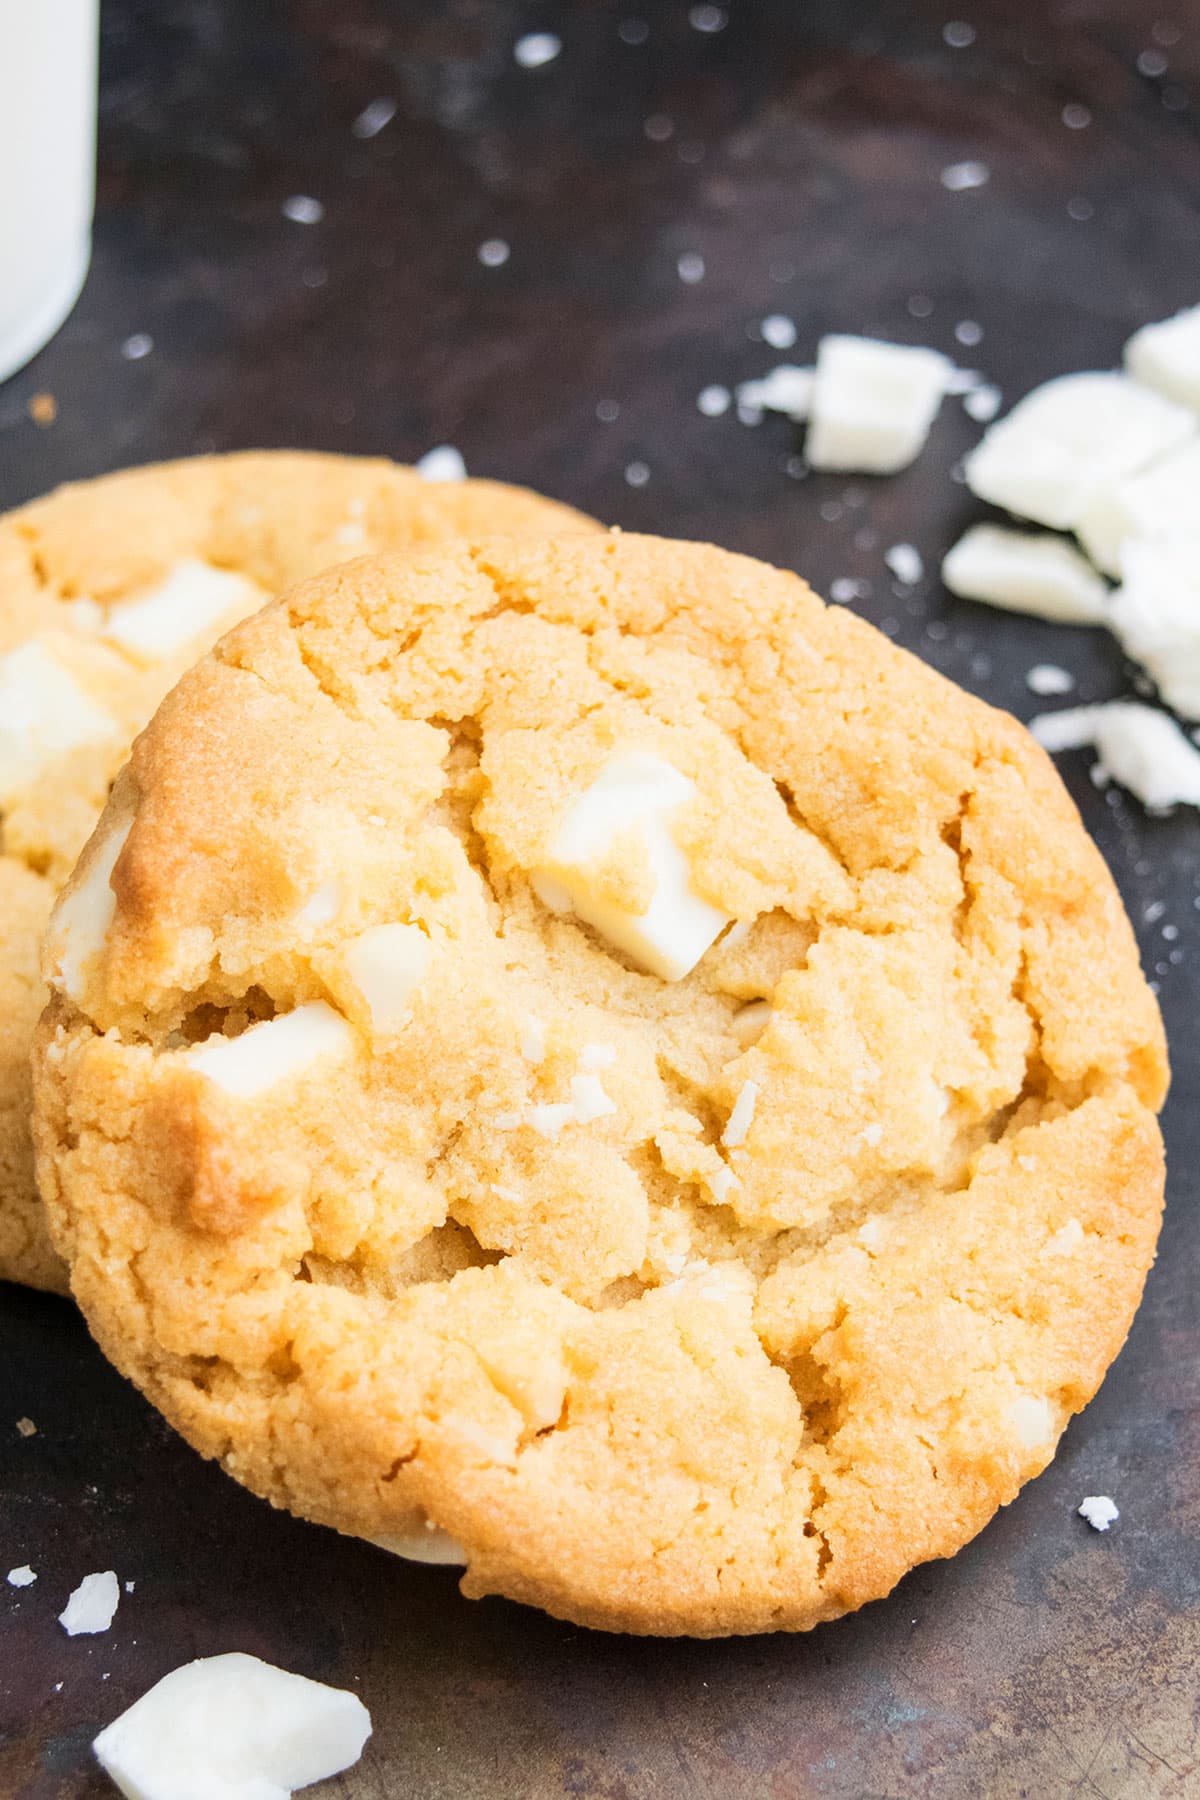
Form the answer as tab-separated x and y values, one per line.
608	1067
108	591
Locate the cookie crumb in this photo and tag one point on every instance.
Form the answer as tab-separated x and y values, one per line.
26	1428
43	408
1099	1511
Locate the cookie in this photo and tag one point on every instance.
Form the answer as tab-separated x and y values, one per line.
572	1056
108	590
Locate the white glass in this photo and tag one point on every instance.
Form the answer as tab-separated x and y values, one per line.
47	167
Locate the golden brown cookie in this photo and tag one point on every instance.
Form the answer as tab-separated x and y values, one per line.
590	1062
108	590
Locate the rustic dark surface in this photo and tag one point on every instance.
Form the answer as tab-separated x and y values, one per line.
802	162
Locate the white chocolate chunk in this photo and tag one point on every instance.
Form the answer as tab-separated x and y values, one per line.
232	1728
321	907
597	1056
443	463
81	919
1069	439
589	1100
1031	1420
1026	572
92	1606
271	1052
21	1577
1157	502
750	1021
386	963
742	1116
1138	746
1166	356
533	1039
1156	616
873	404
188	604
635	793
433	1545
549	1118
786	389
1099	1511
721	1184
1065	1240
44	713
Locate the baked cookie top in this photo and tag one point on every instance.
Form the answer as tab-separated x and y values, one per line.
575	1051
108	590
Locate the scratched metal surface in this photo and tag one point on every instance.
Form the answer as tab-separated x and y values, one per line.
798	152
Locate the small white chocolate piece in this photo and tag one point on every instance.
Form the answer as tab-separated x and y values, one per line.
386	963
321	907
81	919
44	713
1026	572
1156	615
1138	746
742	1116
1159	501
271	1052
1099	1510
533	1039
192	599
1068	440
1166	356
1031	1420
433	1545
786	389
232	1728
92	1606
589	1100
636	792
873	404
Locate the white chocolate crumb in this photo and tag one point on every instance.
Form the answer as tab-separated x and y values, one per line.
597	1056
536	49
589	1100
533	1039
92	1606
906	563
1099	1511
1046	679
21	1577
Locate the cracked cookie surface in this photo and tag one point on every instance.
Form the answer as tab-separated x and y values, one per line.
109	589
394	1170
